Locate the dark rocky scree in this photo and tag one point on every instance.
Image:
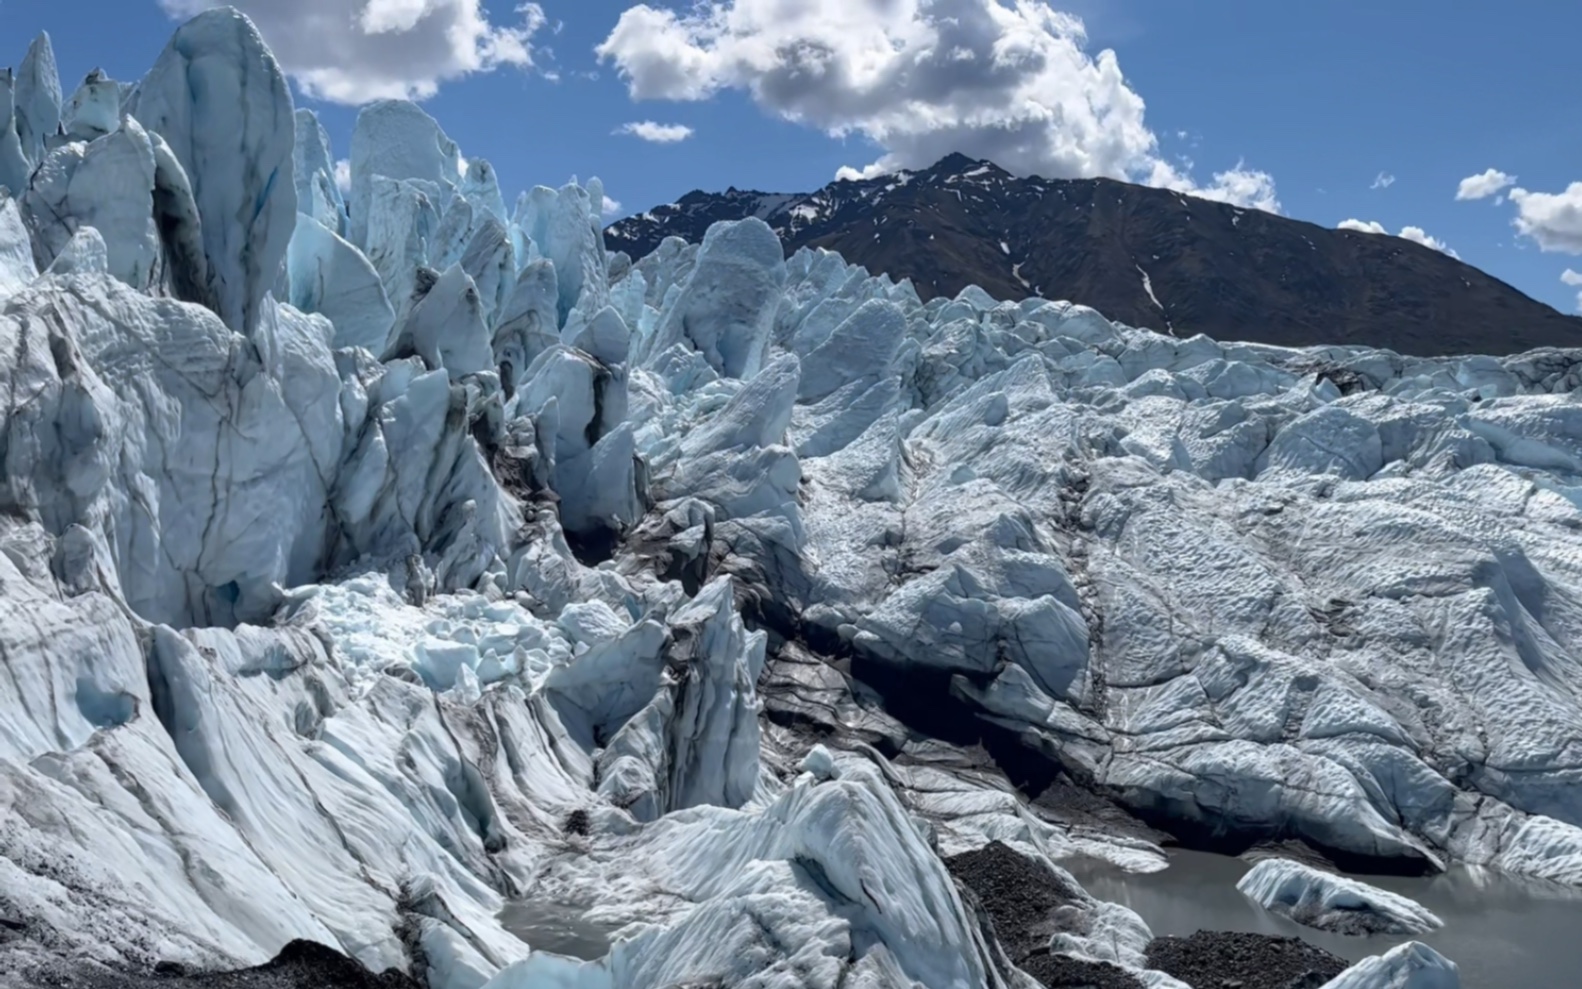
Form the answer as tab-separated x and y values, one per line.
1027	905
1234	274
1227	960
300	965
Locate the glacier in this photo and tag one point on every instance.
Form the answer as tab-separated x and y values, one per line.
370	561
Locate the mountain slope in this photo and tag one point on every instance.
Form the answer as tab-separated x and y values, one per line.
1142	256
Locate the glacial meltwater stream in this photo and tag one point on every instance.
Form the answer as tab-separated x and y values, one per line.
1503	932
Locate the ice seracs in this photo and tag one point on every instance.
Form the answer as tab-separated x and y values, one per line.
219	100
94	110
37	97
327	275
313	169
396	140
726	308
1333	903
17	268
106	184
360	578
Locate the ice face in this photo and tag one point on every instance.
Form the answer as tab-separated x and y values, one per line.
1410	966
331	277
313	168
726	308
218	99
356	584
37	96
105	185
14	165
398	141
94	110
17	268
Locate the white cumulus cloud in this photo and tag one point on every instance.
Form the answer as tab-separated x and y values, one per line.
1011	81
1416	235
1364	226
1382	181
343	175
353	51
647	130
611	206
1554	220
1484	184
1573	279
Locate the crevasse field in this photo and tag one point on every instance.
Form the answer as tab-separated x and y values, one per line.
367	562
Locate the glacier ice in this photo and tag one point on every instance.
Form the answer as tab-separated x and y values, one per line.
1413	965
327	275
17	268
218	98
15	166
397	141
94	110
105	184
313	170
725	310
1334	903
37	97
370	561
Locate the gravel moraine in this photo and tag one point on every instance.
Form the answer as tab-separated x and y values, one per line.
1231	960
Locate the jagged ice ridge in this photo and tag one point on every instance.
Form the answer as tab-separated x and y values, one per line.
368	561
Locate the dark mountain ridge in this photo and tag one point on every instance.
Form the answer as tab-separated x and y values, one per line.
1142	256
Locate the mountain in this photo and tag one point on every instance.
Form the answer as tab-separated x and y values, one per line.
1142	256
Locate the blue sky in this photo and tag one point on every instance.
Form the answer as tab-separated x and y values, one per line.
1341	110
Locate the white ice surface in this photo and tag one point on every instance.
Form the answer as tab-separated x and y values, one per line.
1329	902
1413	965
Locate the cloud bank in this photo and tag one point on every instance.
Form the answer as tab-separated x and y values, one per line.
1416	235
1007	80
1553	220
354	51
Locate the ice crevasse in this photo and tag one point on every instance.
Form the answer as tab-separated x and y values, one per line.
390	556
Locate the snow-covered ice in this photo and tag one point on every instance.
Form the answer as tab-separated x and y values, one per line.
368	562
